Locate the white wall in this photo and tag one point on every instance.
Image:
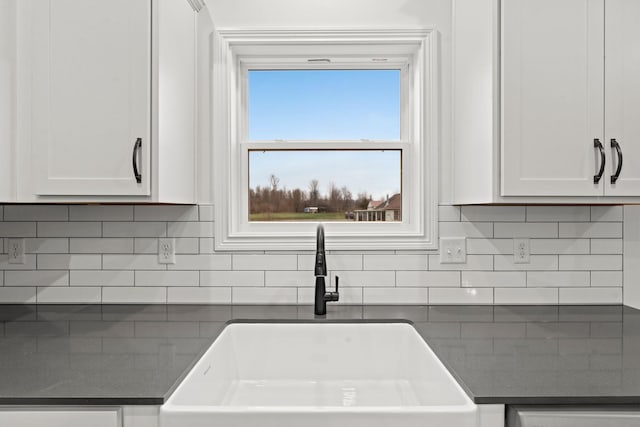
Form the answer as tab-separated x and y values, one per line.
330	13
434	14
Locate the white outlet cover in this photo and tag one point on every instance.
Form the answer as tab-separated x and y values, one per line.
166	251
453	250
521	251
15	250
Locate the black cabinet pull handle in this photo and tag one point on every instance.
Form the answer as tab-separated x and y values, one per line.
136	147
616	175
597	177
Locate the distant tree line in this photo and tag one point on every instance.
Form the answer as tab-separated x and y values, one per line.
276	199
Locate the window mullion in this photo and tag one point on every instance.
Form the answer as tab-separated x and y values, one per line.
324	145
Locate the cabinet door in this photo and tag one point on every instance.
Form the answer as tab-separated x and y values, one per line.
552	97
7	97
622	94
60	417
90	96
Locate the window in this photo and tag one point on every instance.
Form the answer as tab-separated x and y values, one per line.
324	104
313	106
331	185
336	127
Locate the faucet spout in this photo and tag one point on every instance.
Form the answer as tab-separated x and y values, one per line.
321	259
322	296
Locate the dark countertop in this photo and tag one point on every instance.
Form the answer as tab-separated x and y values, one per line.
137	354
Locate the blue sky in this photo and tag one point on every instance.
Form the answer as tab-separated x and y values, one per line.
326	105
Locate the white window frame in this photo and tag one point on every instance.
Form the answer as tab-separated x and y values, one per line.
413	51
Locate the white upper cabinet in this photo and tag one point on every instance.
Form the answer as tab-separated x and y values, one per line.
551	96
622	94
91	97
106	101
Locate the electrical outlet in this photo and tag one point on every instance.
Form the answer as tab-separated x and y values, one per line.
15	249
453	250
166	251
521	251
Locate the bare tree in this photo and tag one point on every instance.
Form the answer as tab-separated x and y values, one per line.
335	196
273	199
274	180
314	191
347	199
297	197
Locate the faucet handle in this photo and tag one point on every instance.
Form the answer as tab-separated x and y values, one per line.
333	296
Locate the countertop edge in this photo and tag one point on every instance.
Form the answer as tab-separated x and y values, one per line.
81	401
557	400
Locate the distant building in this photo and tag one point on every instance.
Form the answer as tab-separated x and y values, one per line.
373	204
383	210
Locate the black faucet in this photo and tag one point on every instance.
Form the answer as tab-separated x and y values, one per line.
322	296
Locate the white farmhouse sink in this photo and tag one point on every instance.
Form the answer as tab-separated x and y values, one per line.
319	374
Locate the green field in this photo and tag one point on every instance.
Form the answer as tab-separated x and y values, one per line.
297	216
